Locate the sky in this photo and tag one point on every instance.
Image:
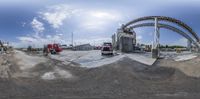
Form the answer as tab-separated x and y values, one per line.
37	22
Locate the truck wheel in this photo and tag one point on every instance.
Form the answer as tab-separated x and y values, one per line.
51	52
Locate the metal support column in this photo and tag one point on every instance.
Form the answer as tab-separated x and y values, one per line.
155	47
189	45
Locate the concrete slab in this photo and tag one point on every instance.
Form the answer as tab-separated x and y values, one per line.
142	58
92	59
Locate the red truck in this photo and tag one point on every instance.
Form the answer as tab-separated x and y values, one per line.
52	48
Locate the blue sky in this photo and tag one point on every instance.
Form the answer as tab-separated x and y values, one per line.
36	22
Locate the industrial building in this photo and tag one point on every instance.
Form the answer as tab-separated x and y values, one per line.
83	47
124	41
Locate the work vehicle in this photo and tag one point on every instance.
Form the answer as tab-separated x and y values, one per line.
52	48
107	49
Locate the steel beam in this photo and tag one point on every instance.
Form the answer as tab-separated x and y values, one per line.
165	26
167	19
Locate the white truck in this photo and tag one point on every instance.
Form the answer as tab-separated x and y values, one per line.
107	49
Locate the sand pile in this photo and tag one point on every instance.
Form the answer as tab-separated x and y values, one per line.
26	62
4	67
189	67
56	73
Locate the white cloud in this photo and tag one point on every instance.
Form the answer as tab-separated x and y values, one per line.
37	40
60	34
55	15
25	41
89	19
93	41
139	37
23	24
37	26
99	20
104	15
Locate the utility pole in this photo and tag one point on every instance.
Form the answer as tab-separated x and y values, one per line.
72	39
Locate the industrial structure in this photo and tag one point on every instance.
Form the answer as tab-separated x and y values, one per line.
124	40
126	37
4	46
83	47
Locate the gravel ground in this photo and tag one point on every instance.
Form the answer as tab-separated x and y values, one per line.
124	79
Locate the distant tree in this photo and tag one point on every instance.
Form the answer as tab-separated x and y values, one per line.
161	46
166	46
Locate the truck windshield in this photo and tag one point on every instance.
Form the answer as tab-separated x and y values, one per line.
107	44
106	49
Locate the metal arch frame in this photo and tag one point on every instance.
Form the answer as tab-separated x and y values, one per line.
169	27
167	19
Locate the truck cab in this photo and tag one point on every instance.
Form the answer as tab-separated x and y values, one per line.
107	49
54	48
